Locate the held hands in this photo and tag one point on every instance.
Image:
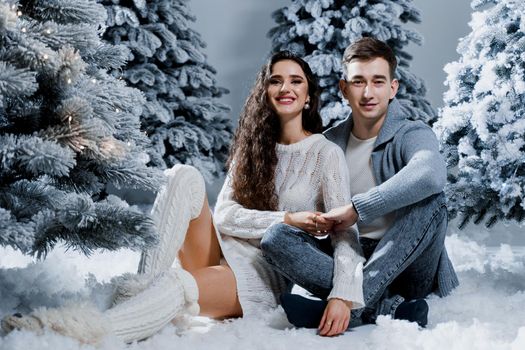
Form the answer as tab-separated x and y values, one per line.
343	217
336	318
319	224
311	222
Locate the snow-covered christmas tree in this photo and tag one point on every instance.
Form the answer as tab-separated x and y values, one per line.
321	30
482	127
182	115
67	128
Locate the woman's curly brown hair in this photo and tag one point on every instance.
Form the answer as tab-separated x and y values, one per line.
252	159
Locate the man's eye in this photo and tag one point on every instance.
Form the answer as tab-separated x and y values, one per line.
357	82
379	82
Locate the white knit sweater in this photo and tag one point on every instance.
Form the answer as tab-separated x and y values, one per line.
311	175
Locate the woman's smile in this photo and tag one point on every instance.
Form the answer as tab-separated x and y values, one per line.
285	100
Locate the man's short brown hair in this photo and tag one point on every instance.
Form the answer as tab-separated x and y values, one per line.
368	48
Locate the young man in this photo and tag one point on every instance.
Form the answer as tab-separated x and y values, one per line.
397	177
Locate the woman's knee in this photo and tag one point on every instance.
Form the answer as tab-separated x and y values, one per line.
187	182
184	174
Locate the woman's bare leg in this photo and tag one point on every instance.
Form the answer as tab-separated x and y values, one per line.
217	292
201	256
201	247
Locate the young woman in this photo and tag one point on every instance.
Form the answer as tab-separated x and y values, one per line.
281	170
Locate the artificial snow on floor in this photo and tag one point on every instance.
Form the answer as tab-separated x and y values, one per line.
486	312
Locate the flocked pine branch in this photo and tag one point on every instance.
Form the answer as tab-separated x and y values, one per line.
67	129
182	115
482	127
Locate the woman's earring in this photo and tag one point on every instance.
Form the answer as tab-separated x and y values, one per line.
307	104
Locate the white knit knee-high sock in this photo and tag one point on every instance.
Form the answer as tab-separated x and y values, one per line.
180	201
171	293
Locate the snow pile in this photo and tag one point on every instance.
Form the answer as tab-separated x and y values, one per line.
485	312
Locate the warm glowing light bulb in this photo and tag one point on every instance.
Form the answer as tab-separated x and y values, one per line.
46	56
19	13
48	31
117	110
23	30
69	80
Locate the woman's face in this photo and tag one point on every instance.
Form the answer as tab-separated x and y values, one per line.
288	89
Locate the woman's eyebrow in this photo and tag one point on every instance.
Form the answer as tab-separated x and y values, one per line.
292	76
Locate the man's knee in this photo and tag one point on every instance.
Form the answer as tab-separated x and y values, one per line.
438	223
429	216
433	206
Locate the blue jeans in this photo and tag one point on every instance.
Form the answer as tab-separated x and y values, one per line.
403	265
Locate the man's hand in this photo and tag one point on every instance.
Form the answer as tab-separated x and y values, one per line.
336	318
343	217
310	222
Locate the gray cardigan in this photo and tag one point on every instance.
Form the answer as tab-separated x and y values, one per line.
406	164
407	167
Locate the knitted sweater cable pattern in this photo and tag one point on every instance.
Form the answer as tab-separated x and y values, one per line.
310	175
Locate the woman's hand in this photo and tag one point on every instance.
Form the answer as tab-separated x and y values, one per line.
336	318
310	222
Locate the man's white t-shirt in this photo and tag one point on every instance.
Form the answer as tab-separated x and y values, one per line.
357	155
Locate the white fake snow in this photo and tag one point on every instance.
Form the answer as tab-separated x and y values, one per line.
485	312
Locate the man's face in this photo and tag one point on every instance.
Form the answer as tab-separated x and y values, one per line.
368	89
